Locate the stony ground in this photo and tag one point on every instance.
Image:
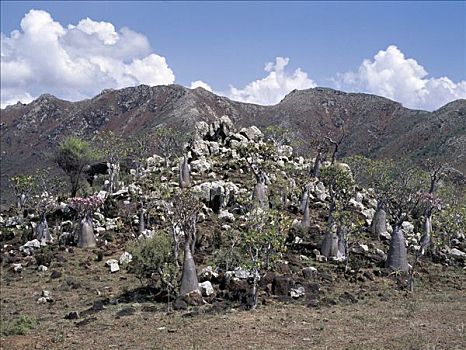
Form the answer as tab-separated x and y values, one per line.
382	316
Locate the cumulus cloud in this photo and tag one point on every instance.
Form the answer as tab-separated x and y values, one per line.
392	75
75	62
200	83
271	89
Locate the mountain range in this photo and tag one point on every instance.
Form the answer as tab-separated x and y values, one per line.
374	126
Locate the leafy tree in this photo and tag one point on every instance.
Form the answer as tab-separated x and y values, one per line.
153	257
263	242
72	157
114	149
23	186
169	142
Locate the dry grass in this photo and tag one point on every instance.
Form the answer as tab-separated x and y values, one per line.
433	318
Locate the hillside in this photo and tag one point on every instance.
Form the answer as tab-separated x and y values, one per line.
305	297
375	126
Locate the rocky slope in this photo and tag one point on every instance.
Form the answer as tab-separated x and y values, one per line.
375	126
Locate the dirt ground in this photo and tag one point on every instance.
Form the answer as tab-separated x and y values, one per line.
432	318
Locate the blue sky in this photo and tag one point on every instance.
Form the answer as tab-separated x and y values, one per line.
227	44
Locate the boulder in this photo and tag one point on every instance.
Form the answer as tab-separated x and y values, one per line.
252	133
309	272
125	258
206	288
113	264
282	285
226	216
285	151
457	253
296	293
201	165
207	274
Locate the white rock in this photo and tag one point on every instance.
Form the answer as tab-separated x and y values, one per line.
407	227
297	292
41	300
17	267
206	288
225	215
252	133
125	258
285	151
207	273
457	253
360	248
358	205
201	165
42	268
113	264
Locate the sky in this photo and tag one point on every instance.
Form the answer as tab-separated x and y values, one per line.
257	52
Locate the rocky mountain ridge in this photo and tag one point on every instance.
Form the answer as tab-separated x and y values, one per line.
374	126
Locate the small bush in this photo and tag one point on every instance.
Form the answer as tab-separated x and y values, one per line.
153	257
44	256
18	326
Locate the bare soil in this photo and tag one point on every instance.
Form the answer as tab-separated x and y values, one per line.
115	313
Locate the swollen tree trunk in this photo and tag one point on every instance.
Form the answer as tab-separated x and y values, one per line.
397	258
43	231
259	195
426	237
342	243
141	226
306	216
379	222
113	172
86	238
185	176
304	199
329	247
317	165
189	281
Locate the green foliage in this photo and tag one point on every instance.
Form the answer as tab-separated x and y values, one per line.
112	146
399	186
277	135
44	256
19	326
339	181
229	252
72	156
450	222
154	257
263	240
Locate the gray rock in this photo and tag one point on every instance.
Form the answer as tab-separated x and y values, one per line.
201	165
226	216
252	133
309	272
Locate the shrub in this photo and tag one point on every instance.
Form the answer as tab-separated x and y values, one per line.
19	326
44	256
153	257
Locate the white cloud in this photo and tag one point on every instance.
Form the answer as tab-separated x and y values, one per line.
392	75
200	83
75	62
271	89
